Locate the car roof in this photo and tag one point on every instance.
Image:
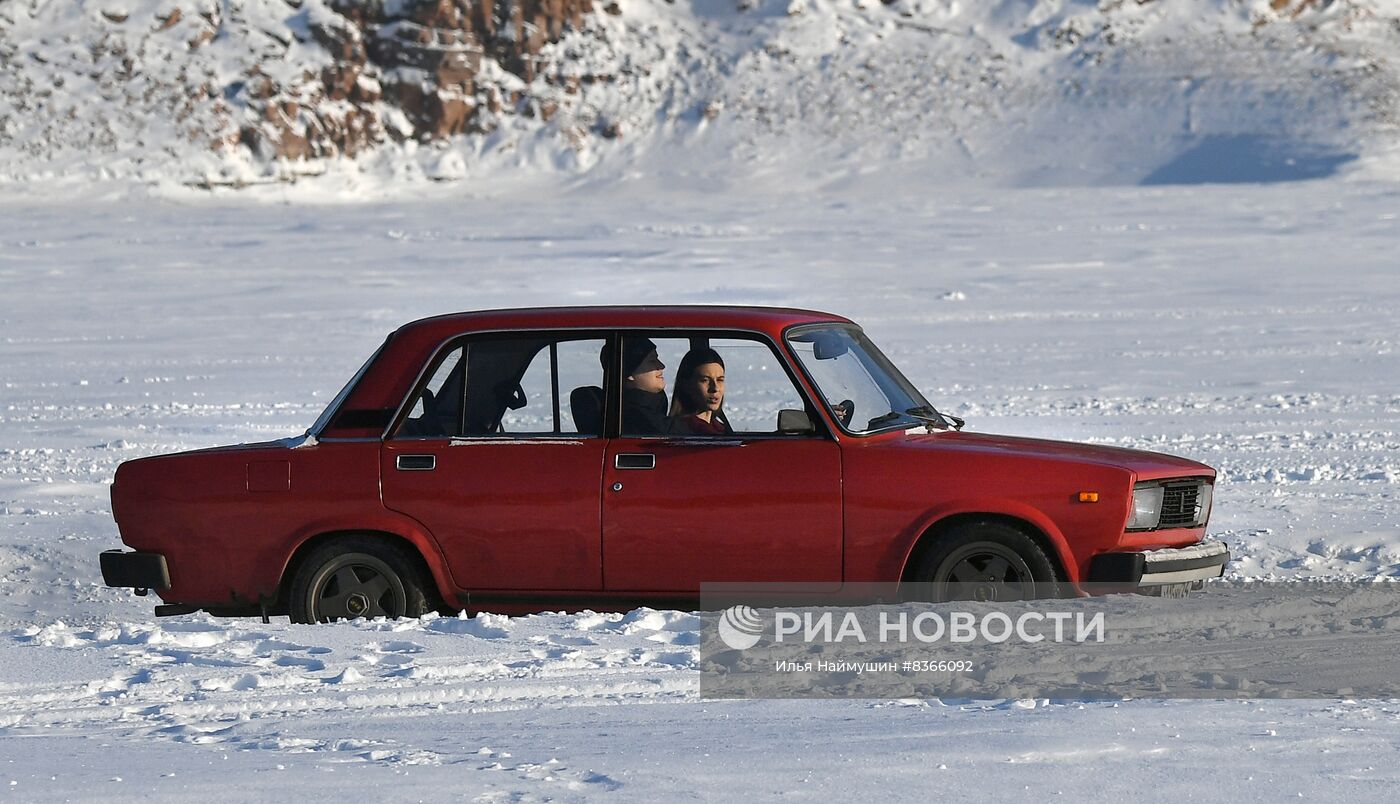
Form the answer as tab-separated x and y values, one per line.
387	378
764	319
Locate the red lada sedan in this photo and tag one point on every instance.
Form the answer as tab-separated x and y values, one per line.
610	456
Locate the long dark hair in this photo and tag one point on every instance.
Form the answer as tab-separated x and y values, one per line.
684	401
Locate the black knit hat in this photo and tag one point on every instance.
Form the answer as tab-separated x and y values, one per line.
635	352
696	358
639	354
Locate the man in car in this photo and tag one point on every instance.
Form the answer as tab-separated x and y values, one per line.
643	389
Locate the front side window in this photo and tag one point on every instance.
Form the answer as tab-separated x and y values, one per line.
692	384
511	386
864	391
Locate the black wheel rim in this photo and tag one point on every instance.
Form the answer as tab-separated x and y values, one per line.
357	586
984	571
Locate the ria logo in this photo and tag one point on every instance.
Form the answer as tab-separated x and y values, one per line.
740	627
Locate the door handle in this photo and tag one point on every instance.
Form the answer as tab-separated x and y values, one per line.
416	463
634	460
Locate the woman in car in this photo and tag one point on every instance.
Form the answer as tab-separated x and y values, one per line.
697	404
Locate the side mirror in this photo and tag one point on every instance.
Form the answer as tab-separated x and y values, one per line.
795	422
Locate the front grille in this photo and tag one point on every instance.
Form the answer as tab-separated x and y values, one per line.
1181	505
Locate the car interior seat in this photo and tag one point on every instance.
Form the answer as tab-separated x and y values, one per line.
586	403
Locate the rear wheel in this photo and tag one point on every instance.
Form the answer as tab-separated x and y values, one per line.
357	577
985	561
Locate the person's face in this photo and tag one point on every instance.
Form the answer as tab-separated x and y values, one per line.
708	384
650	376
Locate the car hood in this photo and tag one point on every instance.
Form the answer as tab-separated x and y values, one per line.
1146	465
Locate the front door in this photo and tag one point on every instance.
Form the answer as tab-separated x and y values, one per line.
739	502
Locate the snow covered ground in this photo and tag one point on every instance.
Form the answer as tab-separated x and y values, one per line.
1248	326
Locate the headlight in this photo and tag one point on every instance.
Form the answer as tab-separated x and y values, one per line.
1147	507
1176	503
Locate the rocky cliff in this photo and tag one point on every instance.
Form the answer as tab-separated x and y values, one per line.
411	69
232	92
278	82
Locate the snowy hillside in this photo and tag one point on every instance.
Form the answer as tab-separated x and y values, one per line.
385	95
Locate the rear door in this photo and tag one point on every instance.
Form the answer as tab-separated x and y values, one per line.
752	505
496	463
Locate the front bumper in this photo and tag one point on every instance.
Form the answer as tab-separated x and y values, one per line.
135	570
1197	562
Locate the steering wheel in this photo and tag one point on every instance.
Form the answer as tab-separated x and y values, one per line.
845	411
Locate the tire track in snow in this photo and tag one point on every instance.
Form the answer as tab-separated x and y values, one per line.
196	681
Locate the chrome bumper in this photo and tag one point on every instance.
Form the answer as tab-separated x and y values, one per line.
1197	562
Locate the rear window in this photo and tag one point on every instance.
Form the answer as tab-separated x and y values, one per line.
511	387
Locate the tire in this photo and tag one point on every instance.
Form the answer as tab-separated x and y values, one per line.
354	577
985	561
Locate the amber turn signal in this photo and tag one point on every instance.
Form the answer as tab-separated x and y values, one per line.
1088	496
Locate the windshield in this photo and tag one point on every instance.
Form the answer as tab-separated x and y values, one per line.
863	390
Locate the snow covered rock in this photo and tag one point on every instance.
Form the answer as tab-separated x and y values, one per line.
422	57
232	92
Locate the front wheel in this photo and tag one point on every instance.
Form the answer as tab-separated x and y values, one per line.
357	577
985	561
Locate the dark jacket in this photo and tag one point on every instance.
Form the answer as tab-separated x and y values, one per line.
643	414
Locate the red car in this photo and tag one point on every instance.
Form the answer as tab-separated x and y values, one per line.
608	456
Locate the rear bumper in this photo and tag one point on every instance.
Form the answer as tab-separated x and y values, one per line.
135	570
1197	562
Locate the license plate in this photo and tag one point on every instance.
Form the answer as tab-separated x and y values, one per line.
1171	591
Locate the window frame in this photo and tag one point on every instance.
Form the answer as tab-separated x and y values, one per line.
880	359
612	383
612	423
553	337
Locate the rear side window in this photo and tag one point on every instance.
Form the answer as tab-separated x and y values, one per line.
492	386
